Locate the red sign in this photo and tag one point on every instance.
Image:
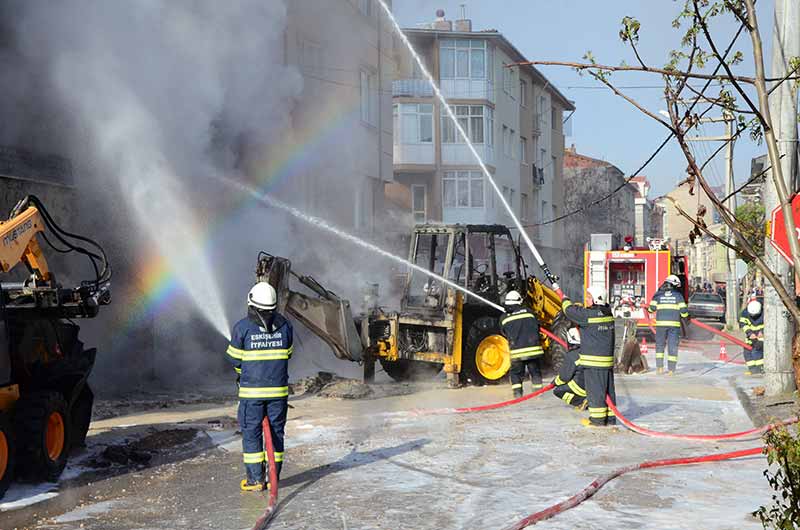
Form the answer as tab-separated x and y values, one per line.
777	234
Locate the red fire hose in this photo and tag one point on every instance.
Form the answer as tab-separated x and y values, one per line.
703	437
595	486
554	337
266	517
721	334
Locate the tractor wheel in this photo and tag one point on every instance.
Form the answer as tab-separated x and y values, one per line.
44	435
554	356
485	358
81	416
404	370
7	455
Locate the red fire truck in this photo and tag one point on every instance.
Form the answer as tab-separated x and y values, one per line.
630	276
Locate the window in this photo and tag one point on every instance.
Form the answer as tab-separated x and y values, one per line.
476	120
508	80
512	143
463	189
506	140
553	165
555	119
369	98
543	114
310	57
542	158
523	150
365	6
463	59
418	203
523	93
414	123
524	206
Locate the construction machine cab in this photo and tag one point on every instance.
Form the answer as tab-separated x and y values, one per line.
481	258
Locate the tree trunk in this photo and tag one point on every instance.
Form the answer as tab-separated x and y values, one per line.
796	359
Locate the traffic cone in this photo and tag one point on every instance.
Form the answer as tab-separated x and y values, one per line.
723	352
643	347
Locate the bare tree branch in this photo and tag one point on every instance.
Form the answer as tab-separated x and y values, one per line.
631	101
706	230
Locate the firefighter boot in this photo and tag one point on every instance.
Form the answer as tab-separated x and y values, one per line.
247	485
517	393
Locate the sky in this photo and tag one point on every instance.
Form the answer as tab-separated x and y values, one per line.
605	126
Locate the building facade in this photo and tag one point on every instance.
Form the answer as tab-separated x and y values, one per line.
343	116
512	116
647	214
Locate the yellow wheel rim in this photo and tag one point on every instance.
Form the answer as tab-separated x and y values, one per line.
54	435
3	455
492	358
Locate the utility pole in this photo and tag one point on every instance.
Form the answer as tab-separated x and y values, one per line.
778	326
732	282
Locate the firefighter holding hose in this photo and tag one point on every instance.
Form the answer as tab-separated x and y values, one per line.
521	329
260	348
752	323
670	308
569	383
596	353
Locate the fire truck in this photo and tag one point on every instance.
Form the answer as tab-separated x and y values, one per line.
629	275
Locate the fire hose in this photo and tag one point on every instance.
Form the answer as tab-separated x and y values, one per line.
266	517
722	334
598	483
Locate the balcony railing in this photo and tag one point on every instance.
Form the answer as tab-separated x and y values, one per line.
412	88
538	176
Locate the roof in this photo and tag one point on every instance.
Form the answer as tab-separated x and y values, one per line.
515	54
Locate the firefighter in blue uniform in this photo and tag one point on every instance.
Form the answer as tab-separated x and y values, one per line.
520	327
260	348
569	383
596	353
752	323
670	307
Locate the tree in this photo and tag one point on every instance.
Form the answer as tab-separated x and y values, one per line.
743	99
752	217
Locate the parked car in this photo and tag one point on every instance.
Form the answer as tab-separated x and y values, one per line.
707	305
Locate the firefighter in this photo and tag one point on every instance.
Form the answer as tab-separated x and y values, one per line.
260	348
670	308
596	353
752	323
569	383
521	329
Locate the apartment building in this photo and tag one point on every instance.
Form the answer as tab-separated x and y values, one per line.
342	123
513	116
647	215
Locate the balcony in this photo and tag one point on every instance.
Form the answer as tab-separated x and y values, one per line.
460	154
538	176
412	88
414	154
468	89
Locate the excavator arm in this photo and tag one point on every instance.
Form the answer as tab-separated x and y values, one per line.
20	244
324	313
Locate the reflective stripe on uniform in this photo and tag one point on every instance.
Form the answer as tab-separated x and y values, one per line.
236	353
267	355
532	351
559	381
659	355
254	458
565	304
673	358
516	317
600	412
537	386
516	385
575	387
568	397
237	370
670	306
759	362
278	457
600	320
264	392
668	323
597	361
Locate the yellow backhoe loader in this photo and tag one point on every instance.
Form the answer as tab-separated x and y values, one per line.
45	401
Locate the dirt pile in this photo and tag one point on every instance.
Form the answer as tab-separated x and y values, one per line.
141	451
326	384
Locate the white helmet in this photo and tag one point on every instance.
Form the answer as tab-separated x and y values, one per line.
673	280
513	298
262	296
754	308
598	294
574	336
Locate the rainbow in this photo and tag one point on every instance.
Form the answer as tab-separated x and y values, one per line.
157	283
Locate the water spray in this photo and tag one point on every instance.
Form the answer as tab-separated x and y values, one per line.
550	276
320	223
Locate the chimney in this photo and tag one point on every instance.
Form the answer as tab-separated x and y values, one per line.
464	24
441	23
